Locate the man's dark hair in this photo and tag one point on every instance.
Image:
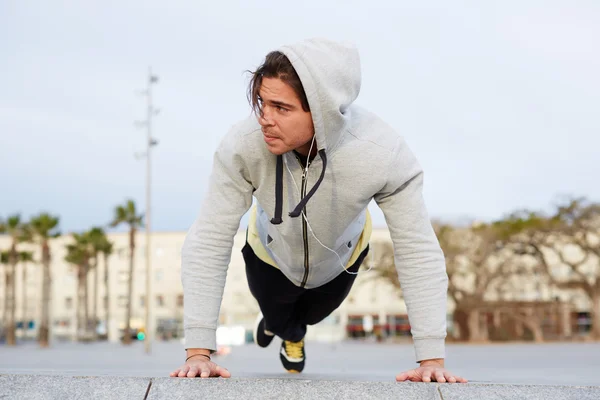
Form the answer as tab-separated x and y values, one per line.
276	65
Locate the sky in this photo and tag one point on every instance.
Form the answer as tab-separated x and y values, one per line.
500	101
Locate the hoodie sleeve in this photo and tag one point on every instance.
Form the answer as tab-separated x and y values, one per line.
206	251
418	256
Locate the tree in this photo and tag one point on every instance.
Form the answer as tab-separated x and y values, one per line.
19	233
385	266
127	214
3	261
98	243
106	249
79	254
44	227
476	263
566	247
5	317
25	257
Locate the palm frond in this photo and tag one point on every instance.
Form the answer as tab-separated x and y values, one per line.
13	222
127	214
44	226
26	256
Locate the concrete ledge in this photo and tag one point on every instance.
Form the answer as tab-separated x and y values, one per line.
106	387
71	387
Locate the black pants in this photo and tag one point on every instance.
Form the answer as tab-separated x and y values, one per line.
287	308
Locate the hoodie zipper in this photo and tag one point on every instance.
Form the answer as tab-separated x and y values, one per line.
304	225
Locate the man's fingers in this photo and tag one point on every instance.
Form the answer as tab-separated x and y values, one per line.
426	376
184	370
461	380
439	377
401	377
404	375
450	378
223	372
193	372
204	372
175	373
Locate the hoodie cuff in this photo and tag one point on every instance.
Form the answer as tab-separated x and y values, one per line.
201	338
427	349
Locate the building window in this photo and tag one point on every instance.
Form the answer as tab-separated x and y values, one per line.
180	300
122	301
160	301
105	302
69	303
123	253
142	301
158	275
123	276
63	323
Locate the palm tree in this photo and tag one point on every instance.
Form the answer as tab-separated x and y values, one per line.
106	249
127	214
78	254
98	242
44	227
4	262
24	257
19	233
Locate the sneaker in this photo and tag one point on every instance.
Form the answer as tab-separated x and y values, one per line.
292	356
262	337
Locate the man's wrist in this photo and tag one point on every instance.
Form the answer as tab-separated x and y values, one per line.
438	362
191	352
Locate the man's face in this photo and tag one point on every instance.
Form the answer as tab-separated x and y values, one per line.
285	125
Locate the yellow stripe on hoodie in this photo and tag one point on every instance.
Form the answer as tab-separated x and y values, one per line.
263	255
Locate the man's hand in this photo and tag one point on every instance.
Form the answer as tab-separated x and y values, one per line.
430	370
201	367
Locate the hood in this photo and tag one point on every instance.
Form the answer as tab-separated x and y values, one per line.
331	77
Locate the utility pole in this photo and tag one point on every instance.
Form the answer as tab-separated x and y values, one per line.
150	142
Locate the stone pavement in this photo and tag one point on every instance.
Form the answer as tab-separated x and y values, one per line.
343	370
563	364
44	387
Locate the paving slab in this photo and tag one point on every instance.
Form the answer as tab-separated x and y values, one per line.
221	389
521	392
107	387
43	387
557	364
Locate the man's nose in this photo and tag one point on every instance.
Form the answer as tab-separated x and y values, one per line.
264	118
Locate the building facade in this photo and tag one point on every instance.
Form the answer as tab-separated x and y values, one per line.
372	309
378	302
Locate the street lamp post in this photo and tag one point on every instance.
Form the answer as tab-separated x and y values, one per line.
150	142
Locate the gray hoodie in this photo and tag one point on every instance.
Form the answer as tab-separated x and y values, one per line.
360	158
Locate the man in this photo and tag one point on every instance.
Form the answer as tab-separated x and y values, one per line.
313	161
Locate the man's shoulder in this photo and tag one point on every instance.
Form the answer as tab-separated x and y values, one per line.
368	127
243	130
244	140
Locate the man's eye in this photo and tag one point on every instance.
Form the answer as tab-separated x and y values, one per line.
279	108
